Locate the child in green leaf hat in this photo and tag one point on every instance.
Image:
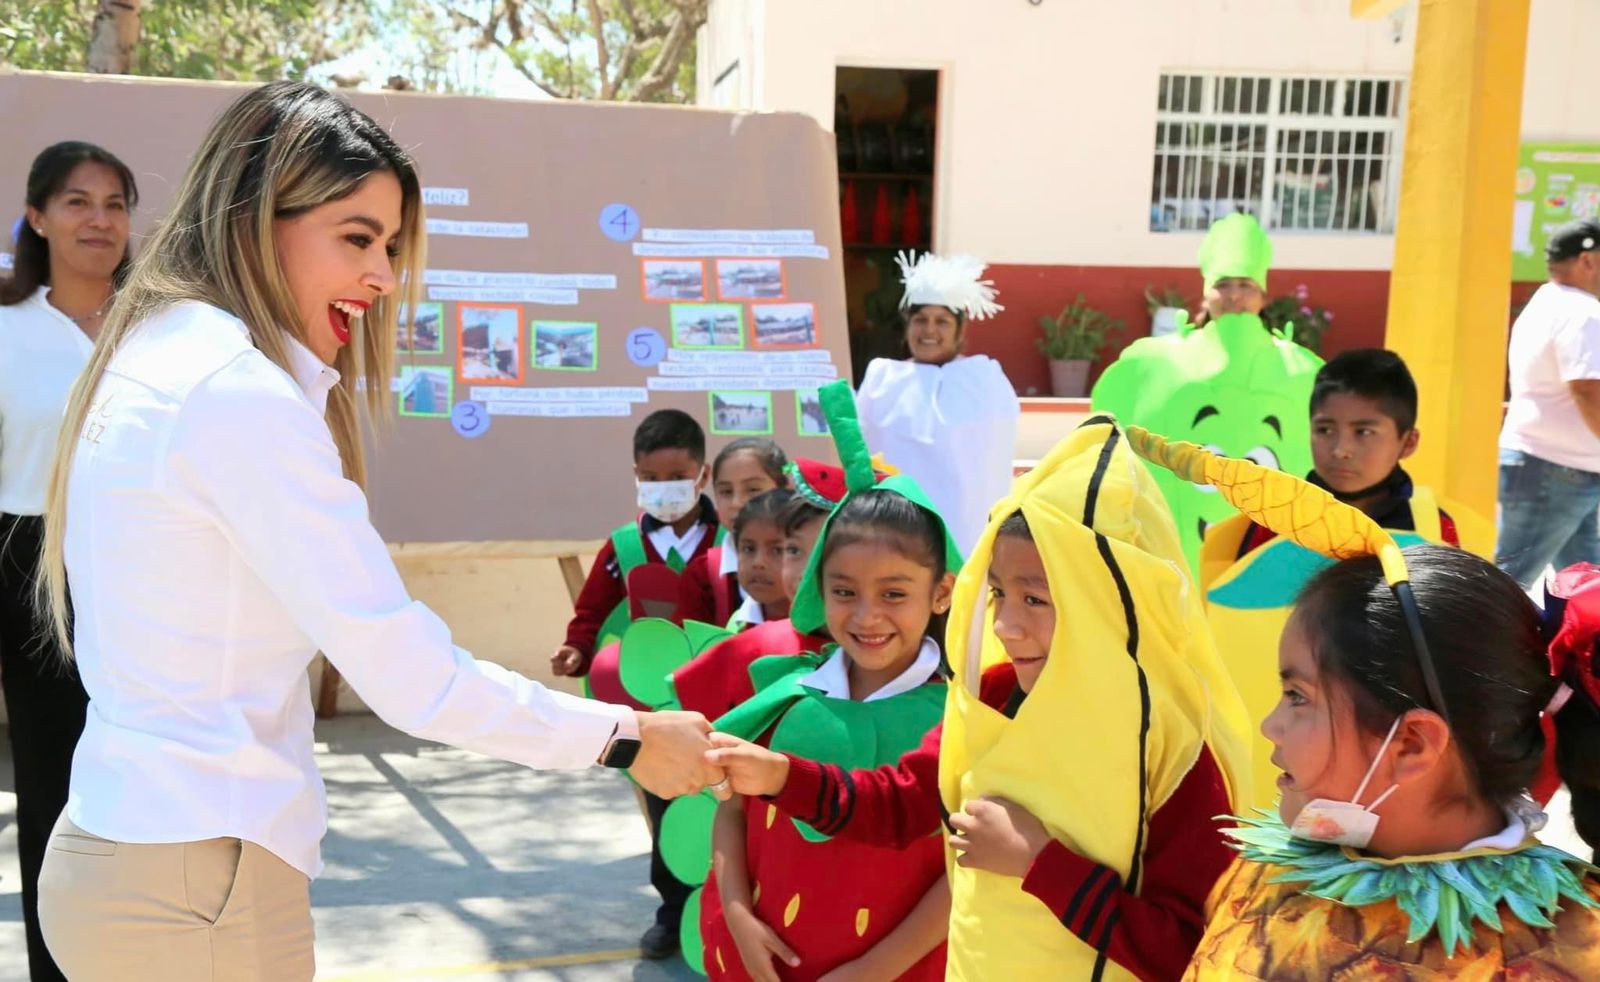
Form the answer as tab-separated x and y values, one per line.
784	900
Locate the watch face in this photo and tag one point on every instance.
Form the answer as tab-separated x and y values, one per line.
622	753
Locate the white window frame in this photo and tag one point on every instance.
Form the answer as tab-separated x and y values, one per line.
1278	121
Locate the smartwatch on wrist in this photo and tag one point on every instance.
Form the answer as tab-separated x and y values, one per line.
623	747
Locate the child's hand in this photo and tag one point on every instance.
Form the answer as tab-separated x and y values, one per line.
566	661
997	835
752	770
757	943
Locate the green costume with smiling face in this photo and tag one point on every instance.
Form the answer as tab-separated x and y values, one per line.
1233	385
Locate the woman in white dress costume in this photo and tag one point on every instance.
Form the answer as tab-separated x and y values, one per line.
946	419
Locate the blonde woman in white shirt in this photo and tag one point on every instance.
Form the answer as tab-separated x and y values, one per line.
71	245
206	507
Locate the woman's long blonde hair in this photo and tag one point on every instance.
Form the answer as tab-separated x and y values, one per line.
277	152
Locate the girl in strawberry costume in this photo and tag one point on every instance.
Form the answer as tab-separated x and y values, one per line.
785	900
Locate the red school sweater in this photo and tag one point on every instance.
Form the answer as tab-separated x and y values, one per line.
605	589
1153	933
704	596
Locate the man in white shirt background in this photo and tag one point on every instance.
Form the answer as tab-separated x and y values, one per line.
1550	443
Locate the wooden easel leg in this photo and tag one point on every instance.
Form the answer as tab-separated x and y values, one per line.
572	572
328	690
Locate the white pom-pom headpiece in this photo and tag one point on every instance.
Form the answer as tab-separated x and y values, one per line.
949	281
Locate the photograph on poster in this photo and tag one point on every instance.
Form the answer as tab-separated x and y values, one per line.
490	349
784	325
750	279
674	279
741	413
565	346
710	325
427	330
809	419
426	390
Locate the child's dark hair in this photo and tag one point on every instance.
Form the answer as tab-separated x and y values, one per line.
669	429
773	459
1486	643
898	522
769	506
797	512
1016	526
1371	373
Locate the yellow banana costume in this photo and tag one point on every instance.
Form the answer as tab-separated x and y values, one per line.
1132	691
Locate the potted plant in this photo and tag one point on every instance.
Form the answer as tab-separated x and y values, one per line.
1165	304
1295	318
1072	340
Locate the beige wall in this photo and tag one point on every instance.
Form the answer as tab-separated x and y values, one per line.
1049	115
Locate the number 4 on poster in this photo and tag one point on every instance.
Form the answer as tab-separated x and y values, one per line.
619	222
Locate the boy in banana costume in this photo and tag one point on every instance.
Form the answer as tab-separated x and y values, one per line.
1084	752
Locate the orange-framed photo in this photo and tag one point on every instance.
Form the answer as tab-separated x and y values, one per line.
673	280
751	279
489	349
783	325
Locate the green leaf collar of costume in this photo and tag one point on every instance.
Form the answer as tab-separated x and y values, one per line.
1443	894
839	407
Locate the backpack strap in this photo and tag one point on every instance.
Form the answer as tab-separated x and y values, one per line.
628	542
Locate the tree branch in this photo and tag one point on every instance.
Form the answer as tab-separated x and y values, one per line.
663	71
114	36
597	27
629	18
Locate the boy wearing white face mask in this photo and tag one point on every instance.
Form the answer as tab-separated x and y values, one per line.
677	523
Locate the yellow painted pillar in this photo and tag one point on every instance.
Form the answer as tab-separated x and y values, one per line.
1450	292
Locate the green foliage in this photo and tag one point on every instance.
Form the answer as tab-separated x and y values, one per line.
1295	318
1164	296
624	50
245	40
1078	333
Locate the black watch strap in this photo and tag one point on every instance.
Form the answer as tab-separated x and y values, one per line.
620	752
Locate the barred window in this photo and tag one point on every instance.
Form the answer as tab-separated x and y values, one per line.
1313	153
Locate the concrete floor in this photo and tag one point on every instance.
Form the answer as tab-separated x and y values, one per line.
446	865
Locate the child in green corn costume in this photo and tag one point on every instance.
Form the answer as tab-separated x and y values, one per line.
1231	385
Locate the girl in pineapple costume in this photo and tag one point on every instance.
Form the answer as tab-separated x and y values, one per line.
946	419
1090	736
1408	731
785	900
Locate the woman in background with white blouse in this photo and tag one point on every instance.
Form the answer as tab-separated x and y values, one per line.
71	245
206	507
